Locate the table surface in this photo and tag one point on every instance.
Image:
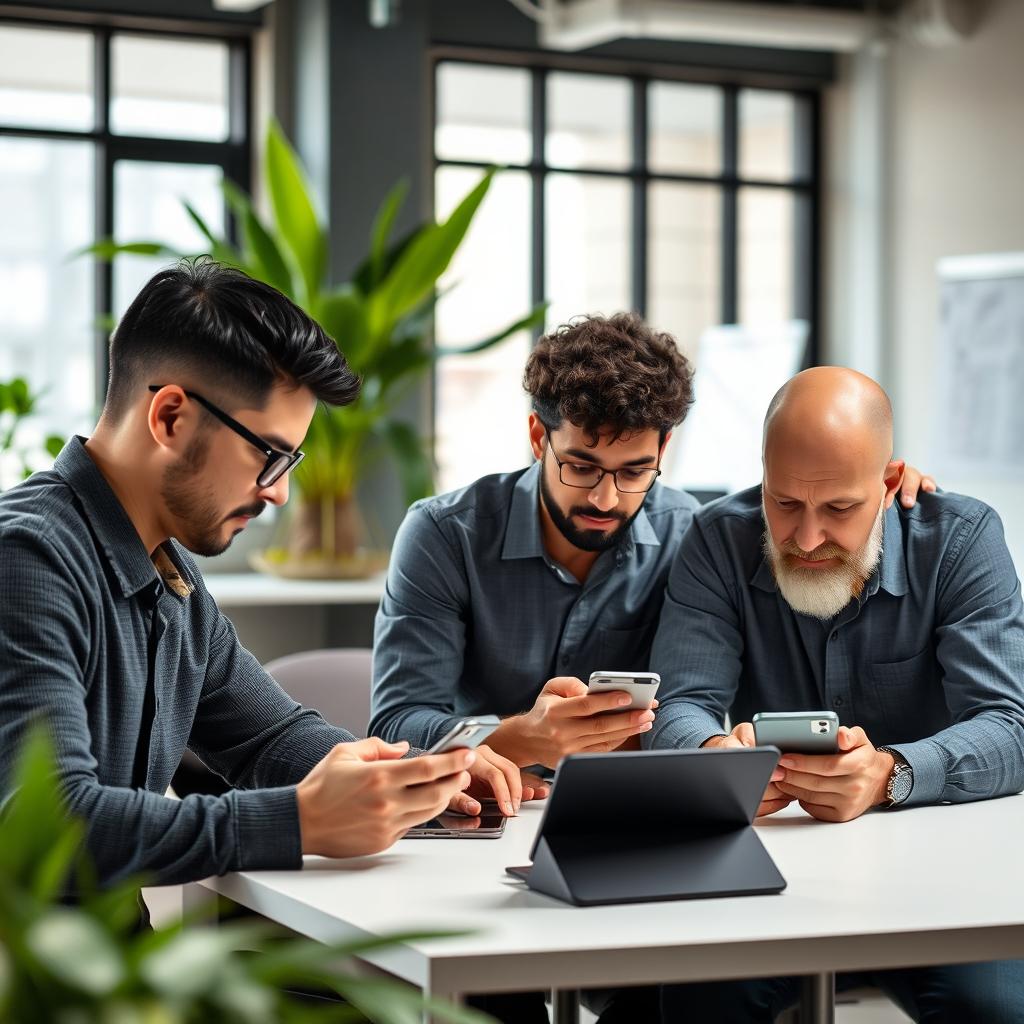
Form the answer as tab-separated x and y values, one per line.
257	589
915	886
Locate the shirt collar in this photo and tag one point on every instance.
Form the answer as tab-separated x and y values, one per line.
127	555
522	534
890	575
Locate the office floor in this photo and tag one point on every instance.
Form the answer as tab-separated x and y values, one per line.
165	906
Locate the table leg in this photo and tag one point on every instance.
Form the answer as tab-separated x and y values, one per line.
198	905
565	1006
818	999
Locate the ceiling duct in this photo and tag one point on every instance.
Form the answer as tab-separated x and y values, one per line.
580	24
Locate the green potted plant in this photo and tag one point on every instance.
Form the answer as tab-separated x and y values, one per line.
382	321
17	402
87	963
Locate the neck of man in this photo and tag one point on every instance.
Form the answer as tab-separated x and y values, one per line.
115	460
565	553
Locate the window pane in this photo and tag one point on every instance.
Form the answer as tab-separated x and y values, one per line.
173	88
766	226
587	249
767	135
684	257
589	121
148	207
46	78
685	127
481	406
483	113
46	304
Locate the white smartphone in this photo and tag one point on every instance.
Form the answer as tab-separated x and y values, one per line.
466	734
641	686
798	732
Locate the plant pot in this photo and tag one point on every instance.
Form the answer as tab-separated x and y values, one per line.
324	539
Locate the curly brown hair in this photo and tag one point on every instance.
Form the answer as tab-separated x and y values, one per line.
609	374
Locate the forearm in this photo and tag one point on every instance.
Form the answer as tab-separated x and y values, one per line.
134	833
972	760
681	724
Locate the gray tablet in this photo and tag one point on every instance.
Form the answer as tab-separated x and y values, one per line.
654	825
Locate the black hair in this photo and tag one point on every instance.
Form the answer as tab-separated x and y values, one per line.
214	323
612	374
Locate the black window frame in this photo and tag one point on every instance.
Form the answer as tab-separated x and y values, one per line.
233	155
806	298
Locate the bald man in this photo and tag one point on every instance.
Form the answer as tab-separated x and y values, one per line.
816	591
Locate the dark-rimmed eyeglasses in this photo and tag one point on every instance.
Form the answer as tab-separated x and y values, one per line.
587	476
278	463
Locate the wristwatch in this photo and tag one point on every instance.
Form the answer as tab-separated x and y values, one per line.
901	779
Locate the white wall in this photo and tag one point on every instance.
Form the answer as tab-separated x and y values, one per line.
925	159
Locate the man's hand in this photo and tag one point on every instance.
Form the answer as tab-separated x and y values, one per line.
493	777
838	787
914	482
362	797
773	799
566	720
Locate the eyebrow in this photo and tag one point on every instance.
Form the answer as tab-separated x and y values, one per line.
578	453
279	442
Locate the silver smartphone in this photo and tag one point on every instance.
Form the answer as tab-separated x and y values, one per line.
488	825
798	732
641	686
466	733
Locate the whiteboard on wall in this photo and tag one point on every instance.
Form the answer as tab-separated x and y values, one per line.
979	414
739	368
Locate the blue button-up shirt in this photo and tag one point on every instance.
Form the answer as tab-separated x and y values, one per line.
928	660
476	617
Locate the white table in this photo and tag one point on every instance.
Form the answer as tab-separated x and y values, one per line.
918	886
256	589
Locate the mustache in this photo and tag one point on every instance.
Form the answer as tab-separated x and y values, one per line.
580	510
819	554
252	511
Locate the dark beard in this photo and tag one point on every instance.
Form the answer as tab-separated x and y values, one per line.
196	511
585	540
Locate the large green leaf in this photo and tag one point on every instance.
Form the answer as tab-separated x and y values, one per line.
383	224
426	258
107	249
528	323
260	248
77	951
295	216
342	314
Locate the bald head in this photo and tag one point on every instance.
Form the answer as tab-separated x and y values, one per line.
831	412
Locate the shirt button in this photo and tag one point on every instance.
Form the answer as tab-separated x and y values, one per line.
838	702
833	638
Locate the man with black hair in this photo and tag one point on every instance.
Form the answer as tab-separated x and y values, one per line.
108	632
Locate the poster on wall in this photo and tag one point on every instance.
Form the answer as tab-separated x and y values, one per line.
979	414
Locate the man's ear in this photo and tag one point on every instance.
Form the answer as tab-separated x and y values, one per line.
661	450
171	416
893	480
538	436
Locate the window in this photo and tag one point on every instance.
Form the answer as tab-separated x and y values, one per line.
693	203
102	133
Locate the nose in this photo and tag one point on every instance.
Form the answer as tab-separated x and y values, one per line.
604	496
277	492
809	533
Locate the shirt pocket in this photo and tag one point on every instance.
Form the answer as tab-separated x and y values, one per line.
626	650
903	691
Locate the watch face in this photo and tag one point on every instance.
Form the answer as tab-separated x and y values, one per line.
902	784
